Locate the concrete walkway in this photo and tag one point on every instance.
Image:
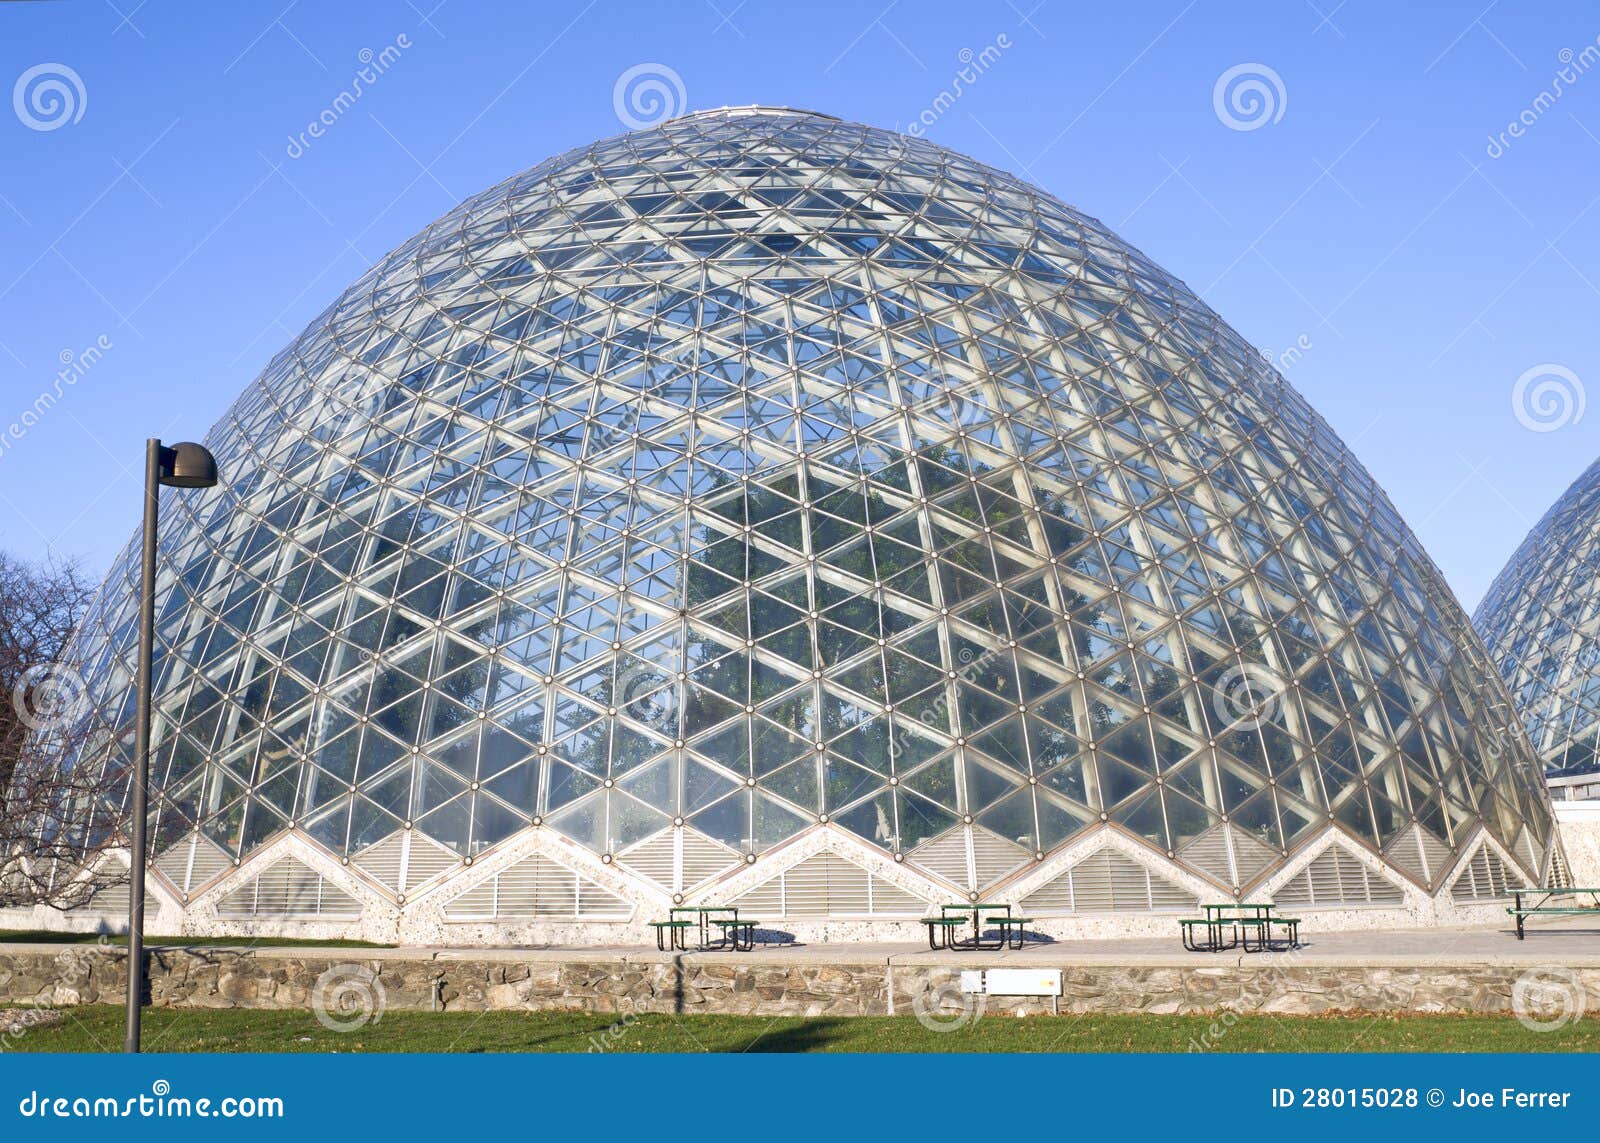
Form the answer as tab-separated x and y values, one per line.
1569	941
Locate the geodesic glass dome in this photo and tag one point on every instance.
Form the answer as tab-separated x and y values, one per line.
760	477
1541	621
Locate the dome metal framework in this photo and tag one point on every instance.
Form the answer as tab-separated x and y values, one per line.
760	477
1541	623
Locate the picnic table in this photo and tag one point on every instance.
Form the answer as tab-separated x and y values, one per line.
1546	901
942	929
1229	924
737	933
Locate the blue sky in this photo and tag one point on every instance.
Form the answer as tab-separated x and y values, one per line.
166	217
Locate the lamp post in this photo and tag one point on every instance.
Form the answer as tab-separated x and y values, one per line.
183	465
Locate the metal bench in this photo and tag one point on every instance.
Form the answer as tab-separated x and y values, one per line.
941	930
670	934
1540	903
739	933
1229	925
1011	929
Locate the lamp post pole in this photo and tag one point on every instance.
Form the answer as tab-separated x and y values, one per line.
141	743
181	466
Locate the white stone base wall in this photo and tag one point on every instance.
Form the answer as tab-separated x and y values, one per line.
1580	838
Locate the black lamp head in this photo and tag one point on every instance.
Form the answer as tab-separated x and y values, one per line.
188	465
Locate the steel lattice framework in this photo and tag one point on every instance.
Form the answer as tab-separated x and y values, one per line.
760	473
1541	621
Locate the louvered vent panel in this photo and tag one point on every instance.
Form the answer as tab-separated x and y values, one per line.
945	856
174	863
1405	852
995	857
703	858
1485	878
1252	856
210	862
1209	854
1107	882
1167	896
1054	896
1534	850
826	885
112	899
655	858
891	900
289	889
477	902
1437	853
765	900
1337	878
1560	876
382	861
537	887
427	861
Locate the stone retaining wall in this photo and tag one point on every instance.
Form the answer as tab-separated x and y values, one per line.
768	982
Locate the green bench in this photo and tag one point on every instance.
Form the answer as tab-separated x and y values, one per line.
670	934
1229	925
1540	903
941	930
737	932
1011	929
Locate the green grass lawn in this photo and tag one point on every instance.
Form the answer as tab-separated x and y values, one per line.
34	937
99	1028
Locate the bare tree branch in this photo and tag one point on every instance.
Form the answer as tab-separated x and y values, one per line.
54	830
